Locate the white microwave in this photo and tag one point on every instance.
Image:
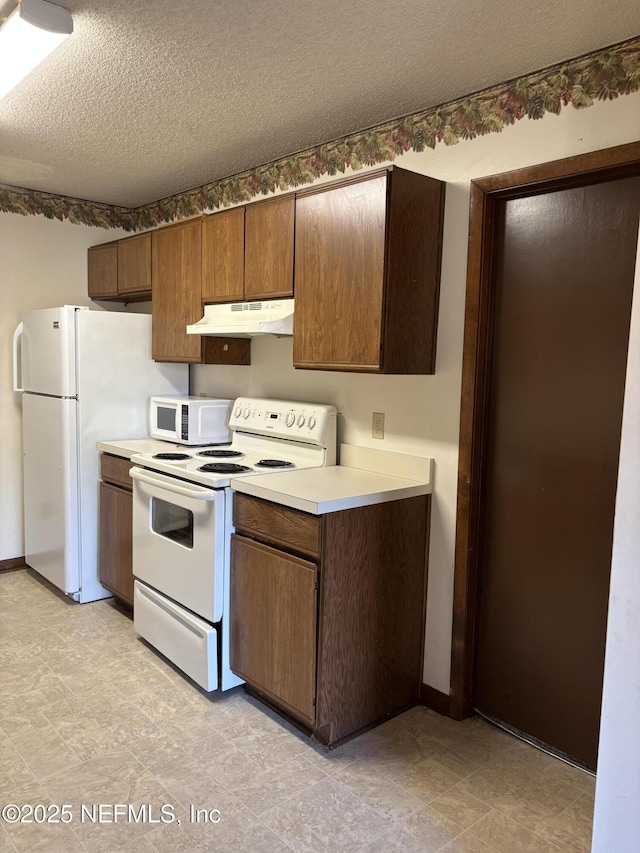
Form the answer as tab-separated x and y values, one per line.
190	420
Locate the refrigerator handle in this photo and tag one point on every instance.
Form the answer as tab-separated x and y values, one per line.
16	337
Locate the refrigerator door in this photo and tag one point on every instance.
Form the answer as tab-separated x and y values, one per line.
116	377
51	489
49	351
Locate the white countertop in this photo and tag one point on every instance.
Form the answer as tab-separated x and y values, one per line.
127	448
350	484
336	487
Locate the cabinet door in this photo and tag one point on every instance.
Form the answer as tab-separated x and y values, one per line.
176	275
273	624
223	256
134	264
102	271
339	276
268	251
115	555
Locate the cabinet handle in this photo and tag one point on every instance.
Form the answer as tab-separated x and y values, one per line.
173	485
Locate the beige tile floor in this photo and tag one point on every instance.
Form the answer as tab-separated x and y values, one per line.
89	715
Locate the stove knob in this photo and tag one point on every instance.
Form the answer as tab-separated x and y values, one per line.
237	411
301	420
312	422
290	419
246	412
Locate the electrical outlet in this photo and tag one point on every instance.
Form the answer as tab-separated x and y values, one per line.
377	425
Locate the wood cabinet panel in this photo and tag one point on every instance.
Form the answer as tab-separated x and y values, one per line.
279	524
102	271
367	273
273	624
415	221
268	250
115	469
115	570
176	274
134	264
223	256
372	603
339	250
372	574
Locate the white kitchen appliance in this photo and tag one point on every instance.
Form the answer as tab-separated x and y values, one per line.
246	319
182	525
190	420
86	376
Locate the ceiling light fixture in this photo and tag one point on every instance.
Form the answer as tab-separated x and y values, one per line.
31	32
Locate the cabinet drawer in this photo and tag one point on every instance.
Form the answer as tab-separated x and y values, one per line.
278	524
115	469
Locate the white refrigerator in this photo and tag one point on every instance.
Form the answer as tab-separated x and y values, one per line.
86	376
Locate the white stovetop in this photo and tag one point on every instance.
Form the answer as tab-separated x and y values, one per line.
345	486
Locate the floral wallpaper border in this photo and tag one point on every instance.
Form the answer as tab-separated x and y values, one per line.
602	75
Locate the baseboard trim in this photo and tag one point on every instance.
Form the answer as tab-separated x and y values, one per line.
434	699
12	565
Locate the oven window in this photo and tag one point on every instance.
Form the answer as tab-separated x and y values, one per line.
173	522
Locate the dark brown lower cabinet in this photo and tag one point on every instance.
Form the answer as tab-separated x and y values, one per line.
327	612
277	595
115	535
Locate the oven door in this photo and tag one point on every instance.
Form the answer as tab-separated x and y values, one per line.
178	540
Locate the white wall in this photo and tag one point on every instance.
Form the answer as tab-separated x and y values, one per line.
617	817
422	413
43	263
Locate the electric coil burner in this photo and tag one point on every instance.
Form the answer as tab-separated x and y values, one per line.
172	457
220	454
224	468
182	526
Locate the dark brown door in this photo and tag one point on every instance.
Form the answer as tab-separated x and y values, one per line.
273	624
564	265
176	271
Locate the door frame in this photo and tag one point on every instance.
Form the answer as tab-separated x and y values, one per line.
486	196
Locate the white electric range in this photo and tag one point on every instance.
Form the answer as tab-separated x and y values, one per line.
182	525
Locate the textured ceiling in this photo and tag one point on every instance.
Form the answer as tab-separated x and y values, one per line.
148	98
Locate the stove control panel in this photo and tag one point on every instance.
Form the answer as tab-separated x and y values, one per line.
312	423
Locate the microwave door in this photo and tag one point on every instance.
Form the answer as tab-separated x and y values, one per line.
166	416
165	420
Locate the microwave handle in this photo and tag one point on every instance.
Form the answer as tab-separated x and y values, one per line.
172	485
16	337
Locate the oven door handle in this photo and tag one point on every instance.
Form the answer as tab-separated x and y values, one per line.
170	484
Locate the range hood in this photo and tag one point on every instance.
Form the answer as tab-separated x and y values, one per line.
246	319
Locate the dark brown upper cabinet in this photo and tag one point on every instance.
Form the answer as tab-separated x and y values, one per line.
367	273
268	248
176	270
102	271
223	256
176	265
247	252
121	271
134	265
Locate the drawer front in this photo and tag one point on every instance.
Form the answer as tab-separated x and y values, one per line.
115	469
278	524
189	642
